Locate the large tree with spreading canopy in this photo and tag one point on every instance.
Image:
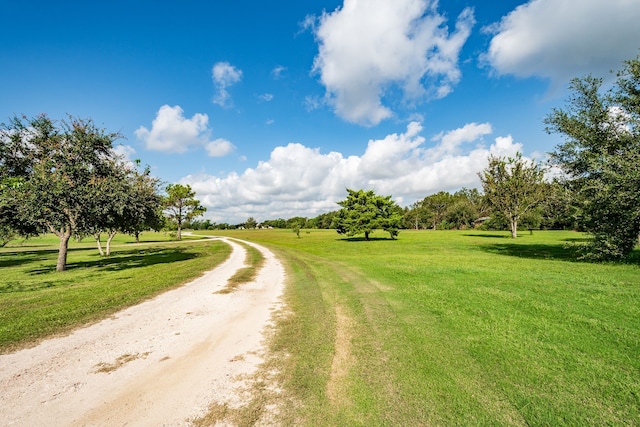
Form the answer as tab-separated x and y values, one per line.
600	158
364	211
52	174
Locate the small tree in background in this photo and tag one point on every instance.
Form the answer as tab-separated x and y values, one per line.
513	187
296	228
363	212
250	223
437	204
181	205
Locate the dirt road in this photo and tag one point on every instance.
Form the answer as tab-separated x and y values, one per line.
159	363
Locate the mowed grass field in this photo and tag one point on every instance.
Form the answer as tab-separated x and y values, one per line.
38	302
454	328
436	328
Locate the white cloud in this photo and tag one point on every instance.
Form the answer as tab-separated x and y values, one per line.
561	39
266	97
219	148
298	180
125	153
172	132
224	75
368	47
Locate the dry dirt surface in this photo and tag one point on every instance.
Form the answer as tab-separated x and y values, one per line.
160	363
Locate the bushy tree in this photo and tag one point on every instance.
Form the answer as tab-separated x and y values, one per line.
513	187
251	223
437	204
600	157
363	212
51	174
180	205
417	216
128	202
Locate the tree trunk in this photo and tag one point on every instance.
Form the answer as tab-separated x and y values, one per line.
109	239
64	236
97	237
514	228
366	235
137	237
179	235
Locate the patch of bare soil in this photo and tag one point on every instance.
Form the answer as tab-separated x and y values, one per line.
160	363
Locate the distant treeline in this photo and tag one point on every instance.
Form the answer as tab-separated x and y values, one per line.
463	209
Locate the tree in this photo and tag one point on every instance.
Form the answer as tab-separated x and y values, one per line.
251	223
513	187
181	205
600	158
417	216
559	210
437	204
56	169
364	211
129	203
145	207
295	227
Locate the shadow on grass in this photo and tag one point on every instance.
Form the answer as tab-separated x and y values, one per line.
21	257
124	260
534	251
493	236
362	239
13	259
573	250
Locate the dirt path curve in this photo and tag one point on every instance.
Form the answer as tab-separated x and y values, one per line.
159	363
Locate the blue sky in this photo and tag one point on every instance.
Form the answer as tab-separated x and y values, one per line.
272	109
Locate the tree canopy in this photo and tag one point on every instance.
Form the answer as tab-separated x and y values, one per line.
513	187
53	174
363	212
600	157
181	205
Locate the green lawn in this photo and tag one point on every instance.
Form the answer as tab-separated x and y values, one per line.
36	301
436	328
455	328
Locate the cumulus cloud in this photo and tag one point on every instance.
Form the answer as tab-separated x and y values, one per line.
298	180
561	39
172	132
224	75
219	148
368	47
266	97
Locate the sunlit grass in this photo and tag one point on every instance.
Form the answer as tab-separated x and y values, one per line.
36	301
455	328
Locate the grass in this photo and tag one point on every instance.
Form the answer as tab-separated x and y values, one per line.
435	328
37	302
453	328
254	261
